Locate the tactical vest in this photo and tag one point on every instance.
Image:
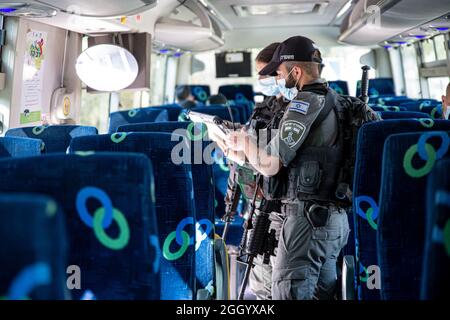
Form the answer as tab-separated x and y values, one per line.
316	173
262	117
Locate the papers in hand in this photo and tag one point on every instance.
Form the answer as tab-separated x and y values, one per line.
213	123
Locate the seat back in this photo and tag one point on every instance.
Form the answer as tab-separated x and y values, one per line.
397	101
435	111
173	110
238	93
408	158
436	260
136	116
203	185
241	110
20	147
386	115
111	222
167	127
55	138
378	87
33	248
221	112
201	93
174	203
388	109
341	87
366	187
418	105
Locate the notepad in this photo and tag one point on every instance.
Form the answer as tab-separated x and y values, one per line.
213	123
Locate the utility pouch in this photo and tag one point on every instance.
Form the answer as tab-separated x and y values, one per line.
305	179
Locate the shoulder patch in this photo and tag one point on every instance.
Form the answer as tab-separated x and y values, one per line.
292	132
299	106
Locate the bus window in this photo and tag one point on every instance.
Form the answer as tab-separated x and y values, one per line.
411	71
439	44
157	83
131	99
429	54
145	98
170	79
95	110
437	87
340	65
397	71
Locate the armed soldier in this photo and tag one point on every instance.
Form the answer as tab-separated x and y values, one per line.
244	175
302	167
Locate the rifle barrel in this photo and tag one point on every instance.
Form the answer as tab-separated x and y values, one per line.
225	230
248	269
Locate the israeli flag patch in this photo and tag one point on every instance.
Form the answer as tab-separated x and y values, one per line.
299	106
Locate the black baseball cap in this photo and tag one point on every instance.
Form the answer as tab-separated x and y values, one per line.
296	48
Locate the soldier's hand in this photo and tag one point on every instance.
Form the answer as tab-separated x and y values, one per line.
235	156
236	140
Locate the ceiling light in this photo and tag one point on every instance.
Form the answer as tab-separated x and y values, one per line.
20	9
277	9
7	10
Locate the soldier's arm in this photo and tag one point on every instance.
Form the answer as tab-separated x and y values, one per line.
295	126
282	149
264	163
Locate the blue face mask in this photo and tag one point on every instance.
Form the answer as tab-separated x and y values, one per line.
288	93
269	87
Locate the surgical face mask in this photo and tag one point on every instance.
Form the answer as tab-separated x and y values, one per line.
269	86
288	93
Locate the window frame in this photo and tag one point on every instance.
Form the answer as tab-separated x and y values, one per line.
417	58
434	69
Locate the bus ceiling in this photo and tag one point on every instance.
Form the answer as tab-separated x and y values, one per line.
204	25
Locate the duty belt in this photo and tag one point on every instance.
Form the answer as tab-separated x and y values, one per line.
298	208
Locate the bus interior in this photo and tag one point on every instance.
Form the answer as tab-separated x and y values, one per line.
96	202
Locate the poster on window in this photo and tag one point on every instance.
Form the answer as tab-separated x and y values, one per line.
33	76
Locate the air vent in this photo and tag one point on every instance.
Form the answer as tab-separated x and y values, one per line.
87	8
101	8
374	22
189	29
425	31
20	9
279	9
